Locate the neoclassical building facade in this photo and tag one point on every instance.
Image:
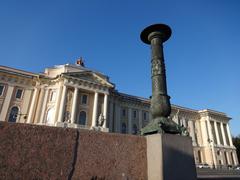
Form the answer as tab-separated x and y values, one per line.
74	96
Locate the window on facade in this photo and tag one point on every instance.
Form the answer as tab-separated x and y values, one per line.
124	128
84	99
134	129
134	114
199	156
19	93
13	114
53	96
144	116
82	118
123	112
232	158
49	117
1	90
226	159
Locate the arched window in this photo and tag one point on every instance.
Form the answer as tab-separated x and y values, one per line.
134	129
49	117
82	118
124	128
13	114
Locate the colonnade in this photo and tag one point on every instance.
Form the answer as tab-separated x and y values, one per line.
74	106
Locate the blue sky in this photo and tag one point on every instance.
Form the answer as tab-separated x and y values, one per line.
202	56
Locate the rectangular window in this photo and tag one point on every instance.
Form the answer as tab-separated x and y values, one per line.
135	114
84	99
123	112
144	116
53	96
1	90
19	93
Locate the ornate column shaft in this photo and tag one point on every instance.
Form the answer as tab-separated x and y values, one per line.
95	109
74	104
160	109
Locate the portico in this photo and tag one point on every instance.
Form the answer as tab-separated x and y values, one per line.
97	97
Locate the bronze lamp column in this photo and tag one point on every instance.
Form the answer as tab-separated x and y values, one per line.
156	35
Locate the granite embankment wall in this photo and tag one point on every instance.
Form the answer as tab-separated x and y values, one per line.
41	152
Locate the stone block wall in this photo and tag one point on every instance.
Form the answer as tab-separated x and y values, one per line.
42	152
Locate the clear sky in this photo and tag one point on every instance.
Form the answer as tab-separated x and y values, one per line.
202	56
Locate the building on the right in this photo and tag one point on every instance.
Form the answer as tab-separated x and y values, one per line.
211	137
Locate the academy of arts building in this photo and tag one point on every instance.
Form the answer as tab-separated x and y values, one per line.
74	96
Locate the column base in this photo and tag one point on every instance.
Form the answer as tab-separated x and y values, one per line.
163	125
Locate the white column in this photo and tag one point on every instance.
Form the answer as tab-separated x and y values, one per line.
229	135
43	111
217	133
111	117
117	118
105	106
192	130
223	134
39	105
6	103
62	104
235	158
57	103
26	104
74	105
129	121
211	142
95	109
31	110
204	132
140	119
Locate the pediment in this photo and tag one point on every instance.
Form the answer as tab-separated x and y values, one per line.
90	77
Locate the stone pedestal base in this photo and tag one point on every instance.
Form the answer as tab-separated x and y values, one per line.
170	157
